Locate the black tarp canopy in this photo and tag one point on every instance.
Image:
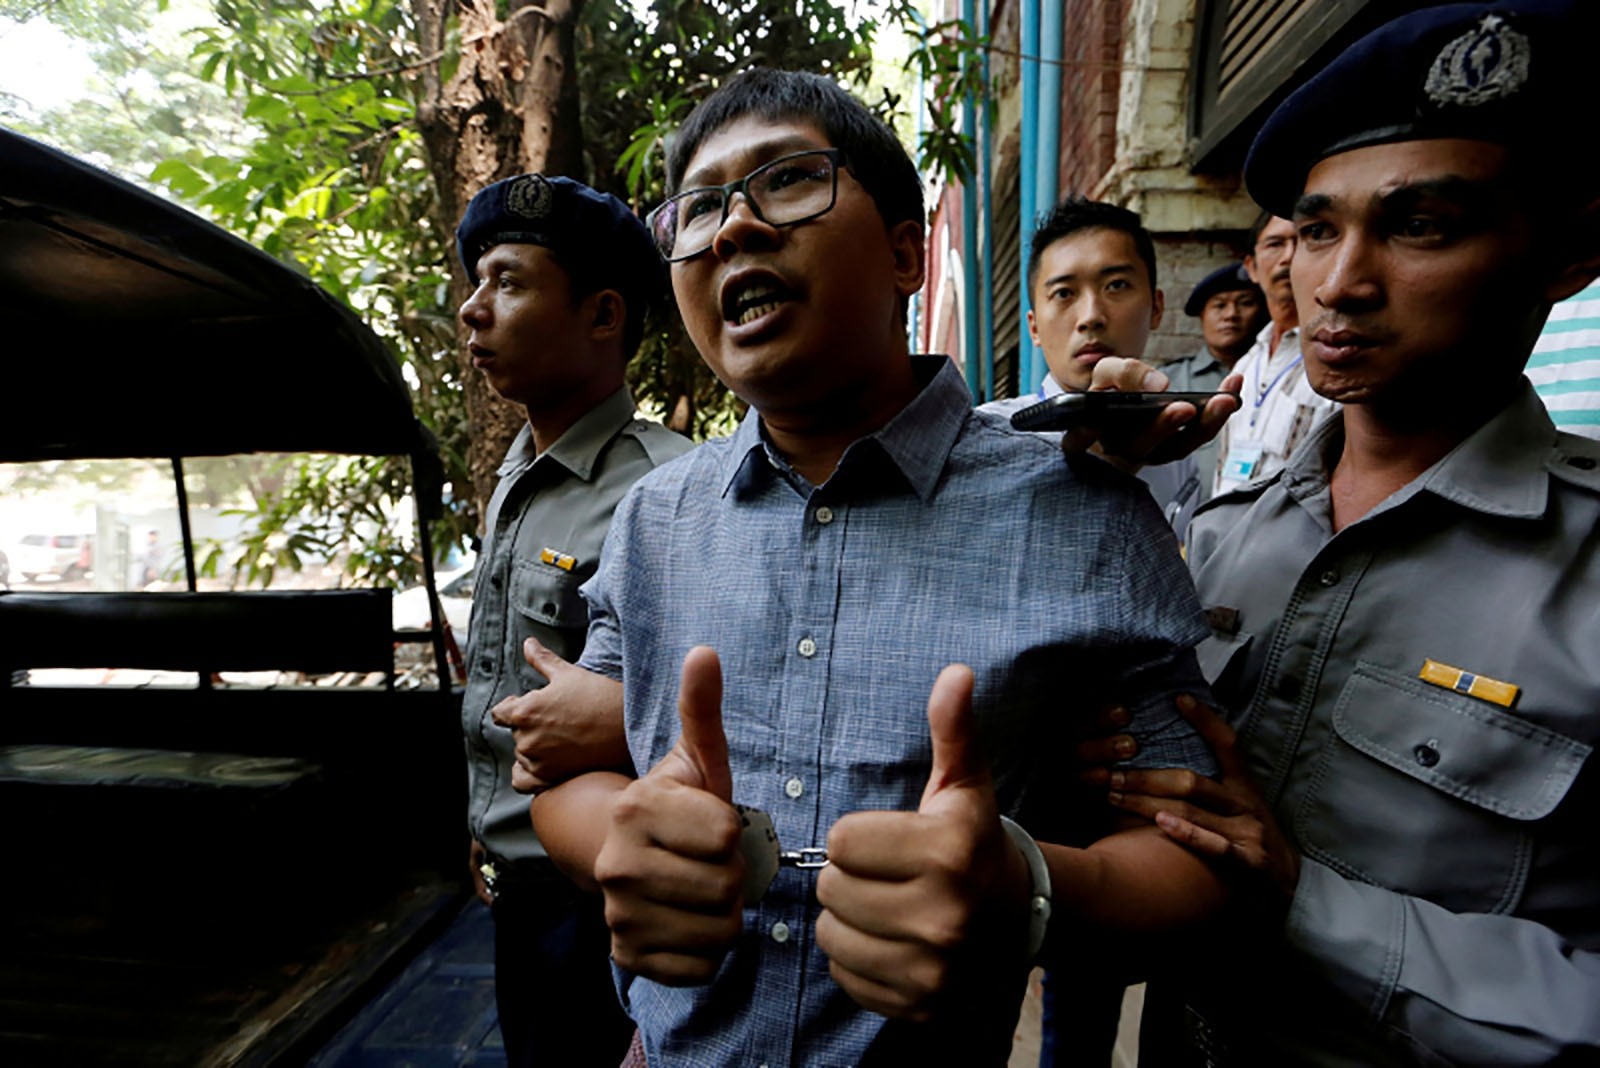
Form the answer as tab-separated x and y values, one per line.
131	327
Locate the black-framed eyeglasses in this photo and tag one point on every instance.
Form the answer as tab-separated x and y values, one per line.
783	192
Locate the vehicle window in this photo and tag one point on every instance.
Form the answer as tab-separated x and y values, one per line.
113	526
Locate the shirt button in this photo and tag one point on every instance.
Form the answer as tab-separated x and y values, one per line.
1426	755
807	647
824	515
780	932
1329	577
794	787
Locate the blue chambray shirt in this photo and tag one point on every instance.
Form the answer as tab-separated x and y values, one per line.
945	537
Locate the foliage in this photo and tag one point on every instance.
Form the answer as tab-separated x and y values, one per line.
145	102
335	182
332	508
946	58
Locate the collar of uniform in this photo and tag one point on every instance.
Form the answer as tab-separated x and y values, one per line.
1205	361
1499	470
579	448
1049	387
1263	342
917	440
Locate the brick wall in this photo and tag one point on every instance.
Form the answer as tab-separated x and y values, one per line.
1091	55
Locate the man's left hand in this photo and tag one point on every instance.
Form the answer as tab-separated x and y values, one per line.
1227	818
909	896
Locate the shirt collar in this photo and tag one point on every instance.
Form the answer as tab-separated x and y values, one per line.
1499	470
1264	339
917	441
578	448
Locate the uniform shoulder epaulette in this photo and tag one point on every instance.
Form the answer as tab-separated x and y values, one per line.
1575	460
659	443
1242	494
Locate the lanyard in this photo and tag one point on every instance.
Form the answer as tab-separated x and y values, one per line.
1262	393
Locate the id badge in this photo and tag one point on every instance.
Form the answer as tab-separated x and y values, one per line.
1243	460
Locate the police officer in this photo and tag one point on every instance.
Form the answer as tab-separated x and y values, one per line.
1406	637
1231	310
562	277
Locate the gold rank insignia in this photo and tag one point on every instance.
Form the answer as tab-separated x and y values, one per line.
1479	686
556	558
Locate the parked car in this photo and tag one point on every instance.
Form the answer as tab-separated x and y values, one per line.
64	556
455	597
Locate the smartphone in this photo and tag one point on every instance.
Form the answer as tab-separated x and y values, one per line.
1103	408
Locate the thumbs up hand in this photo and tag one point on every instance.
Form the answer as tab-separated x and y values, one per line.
670	865
912	899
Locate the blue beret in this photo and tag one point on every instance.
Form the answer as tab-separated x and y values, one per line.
1225	279
1507	73
594	234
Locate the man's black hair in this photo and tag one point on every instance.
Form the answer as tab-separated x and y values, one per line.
871	150
588	275
1256	227
1077	213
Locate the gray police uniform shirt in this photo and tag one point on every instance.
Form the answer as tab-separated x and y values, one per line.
547	520
1200	372
1448	909
1175	486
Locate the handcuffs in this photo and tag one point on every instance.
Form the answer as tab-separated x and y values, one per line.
763	856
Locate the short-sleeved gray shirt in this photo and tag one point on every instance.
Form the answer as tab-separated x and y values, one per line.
546	523
1448	909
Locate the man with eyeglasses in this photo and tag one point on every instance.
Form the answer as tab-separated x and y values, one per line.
813	842
1278	406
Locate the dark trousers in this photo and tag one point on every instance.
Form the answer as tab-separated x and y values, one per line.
552	974
1080	1012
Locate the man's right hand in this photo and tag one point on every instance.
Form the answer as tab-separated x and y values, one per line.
1175	433
670	865
571	725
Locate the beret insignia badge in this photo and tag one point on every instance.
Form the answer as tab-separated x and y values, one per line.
529	197
1487	63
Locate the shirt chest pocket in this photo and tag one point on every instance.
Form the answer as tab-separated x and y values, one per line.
548	606
1431	793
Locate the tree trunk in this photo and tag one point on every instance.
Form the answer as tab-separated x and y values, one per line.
511	107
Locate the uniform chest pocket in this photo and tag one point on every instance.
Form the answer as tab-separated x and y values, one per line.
548	606
1432	793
